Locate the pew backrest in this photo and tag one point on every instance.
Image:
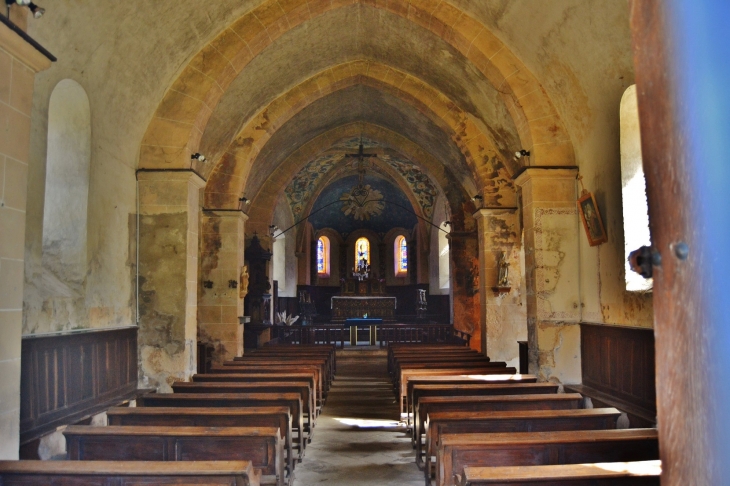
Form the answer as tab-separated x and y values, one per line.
128	473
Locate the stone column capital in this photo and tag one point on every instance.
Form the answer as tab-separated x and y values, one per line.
545	172
484	213
227	213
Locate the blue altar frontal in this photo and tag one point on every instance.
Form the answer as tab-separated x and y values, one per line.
354	322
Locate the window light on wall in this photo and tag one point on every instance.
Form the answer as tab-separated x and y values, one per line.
400	256
323	256
633	188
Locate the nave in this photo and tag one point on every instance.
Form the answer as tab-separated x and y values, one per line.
360	440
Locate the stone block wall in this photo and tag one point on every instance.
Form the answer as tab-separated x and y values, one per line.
19	61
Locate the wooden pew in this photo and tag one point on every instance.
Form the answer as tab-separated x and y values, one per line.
128	473
469	382
262	446
452	423
396	351
268	370
445	363
278	361
292	401
455	451
408	373
487	403
638	473
278	417
254	377
300	387
328	351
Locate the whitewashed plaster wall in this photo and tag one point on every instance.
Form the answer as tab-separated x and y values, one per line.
581	52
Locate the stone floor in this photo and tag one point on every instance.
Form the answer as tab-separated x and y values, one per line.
358	439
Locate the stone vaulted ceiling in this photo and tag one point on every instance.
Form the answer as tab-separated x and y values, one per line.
263	87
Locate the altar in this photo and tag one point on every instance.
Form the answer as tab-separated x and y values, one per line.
347	306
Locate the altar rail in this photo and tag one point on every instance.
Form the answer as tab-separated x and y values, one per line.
387	334
421	333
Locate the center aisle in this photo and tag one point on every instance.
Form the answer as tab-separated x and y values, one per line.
358	439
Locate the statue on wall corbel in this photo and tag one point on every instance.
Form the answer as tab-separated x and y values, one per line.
502	275
243	288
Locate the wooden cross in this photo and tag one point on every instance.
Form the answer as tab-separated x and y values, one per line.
361	156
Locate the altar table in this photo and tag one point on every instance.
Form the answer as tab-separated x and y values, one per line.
353	323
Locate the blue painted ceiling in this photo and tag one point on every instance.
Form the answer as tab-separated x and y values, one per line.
393	214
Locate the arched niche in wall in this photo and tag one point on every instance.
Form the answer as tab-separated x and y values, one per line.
68	163
633	188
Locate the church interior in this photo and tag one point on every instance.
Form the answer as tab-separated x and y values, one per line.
363	242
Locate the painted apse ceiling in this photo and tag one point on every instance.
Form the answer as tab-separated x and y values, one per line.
323	169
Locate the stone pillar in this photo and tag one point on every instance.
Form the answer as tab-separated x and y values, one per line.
465	279
221	260
168	269
19	61
551	232
502	318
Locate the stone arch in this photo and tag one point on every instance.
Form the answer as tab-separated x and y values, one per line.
267	196
68	164
179	121
228	177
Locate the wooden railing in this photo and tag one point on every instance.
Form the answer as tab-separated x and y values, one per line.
312	334
386	334
421	333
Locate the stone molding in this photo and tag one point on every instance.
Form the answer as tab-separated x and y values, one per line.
544	172
22	50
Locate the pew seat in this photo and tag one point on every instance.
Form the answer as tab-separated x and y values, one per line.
293	401
498	403
300	387
278	417
441	423
506	387
128	473
457	451
262	446
639	473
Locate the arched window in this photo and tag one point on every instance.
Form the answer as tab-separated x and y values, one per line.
362	250
400	256
323	256
444	268
633	188
67	181
279	261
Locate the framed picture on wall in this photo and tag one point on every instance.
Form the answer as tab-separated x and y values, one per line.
592	222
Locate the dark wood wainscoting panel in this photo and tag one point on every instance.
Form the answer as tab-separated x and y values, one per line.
67	377
620	361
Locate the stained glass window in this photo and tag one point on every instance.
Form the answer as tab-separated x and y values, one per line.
362	250
400	255
323	256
